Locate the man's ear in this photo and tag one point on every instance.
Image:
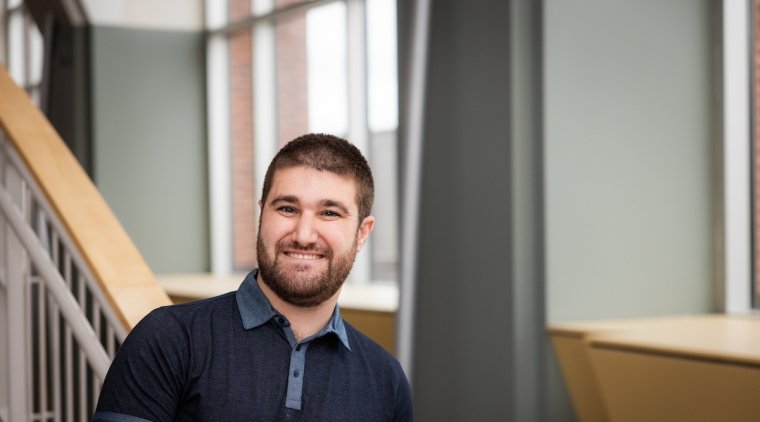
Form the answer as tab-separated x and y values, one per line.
261	205
365	228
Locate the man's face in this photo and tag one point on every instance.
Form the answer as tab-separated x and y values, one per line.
309	234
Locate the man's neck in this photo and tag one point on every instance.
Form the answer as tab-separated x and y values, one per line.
304	321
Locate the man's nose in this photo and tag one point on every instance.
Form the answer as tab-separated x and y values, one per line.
305	232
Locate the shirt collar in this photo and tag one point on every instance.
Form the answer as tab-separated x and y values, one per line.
255	310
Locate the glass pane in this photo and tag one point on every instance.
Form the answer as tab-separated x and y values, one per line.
382	119
382	81
327	69
16	47
36	54
310	57
217	12
262	7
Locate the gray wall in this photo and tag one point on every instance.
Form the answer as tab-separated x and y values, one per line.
629	119
150	141
464	360
567	175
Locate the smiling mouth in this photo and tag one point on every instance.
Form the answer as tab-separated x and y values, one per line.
303	256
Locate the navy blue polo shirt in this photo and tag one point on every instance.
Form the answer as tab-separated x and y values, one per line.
234	357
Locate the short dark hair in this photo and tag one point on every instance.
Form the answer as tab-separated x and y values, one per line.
326	153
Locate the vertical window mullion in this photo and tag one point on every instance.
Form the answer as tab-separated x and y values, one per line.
357	109
736	256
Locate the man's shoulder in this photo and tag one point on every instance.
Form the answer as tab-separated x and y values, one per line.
385	372
371	350
197	306
186	314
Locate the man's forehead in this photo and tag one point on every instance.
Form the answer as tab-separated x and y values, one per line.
304	181
309	169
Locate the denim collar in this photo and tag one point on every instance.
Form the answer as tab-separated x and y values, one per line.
255	310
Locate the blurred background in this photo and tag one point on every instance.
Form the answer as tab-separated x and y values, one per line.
579	160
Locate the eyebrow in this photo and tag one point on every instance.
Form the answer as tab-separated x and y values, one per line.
291	199
336	204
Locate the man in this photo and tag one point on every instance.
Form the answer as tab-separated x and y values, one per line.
277	349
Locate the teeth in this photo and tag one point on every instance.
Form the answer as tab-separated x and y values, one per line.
302	256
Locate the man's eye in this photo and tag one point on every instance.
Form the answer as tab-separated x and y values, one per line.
287	210
329	213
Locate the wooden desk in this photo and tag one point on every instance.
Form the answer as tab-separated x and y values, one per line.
683	368
369	307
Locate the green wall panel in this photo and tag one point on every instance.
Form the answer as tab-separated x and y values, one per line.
150	141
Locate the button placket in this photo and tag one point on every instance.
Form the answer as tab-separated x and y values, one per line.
296	375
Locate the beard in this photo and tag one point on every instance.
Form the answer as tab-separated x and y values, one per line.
297	285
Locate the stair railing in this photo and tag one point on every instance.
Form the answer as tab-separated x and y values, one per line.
71	282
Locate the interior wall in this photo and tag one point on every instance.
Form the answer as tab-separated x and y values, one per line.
462	367
629	134
575	185
149	139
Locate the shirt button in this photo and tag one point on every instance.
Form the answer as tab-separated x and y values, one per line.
296	373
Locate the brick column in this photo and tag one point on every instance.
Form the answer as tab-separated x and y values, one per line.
241	132
292	103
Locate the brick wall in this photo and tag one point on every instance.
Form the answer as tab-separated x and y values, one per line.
292	115
241	132
292	104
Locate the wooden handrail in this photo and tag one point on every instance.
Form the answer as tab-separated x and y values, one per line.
114	261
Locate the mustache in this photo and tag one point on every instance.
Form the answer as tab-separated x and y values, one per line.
296	247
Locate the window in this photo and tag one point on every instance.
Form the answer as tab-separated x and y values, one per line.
21	47
281	68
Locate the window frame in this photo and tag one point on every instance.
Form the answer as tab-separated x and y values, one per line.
262	22
735	281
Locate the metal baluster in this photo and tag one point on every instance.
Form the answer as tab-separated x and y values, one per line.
81	296
55	325
42	230
69	372
28	340
96	319
55	243
61	353
43	346
16	308
67	269
111	347
69	347
26	267
96	384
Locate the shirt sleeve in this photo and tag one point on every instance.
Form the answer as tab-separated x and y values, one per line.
115	417
404	405
147	376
